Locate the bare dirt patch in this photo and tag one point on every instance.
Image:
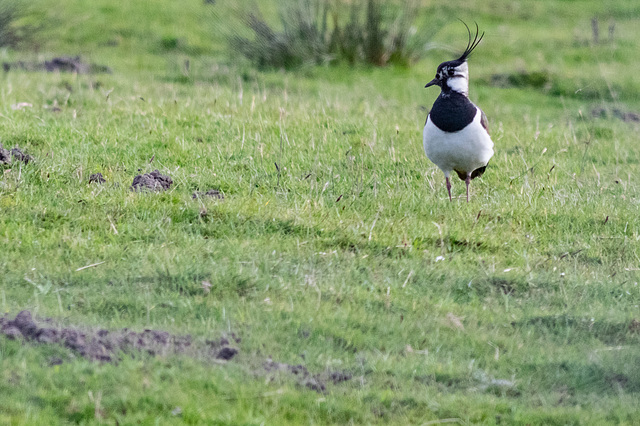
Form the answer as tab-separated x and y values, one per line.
154	181
7	156
316	382
213	193
109	346
97	178
58	64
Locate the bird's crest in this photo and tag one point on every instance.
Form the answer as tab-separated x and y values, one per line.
471	44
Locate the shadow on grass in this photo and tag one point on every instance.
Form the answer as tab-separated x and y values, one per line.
467	290
215	223
581	329
575	377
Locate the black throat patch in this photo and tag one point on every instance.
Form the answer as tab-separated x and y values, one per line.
452	112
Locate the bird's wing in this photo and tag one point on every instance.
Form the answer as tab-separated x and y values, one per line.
484	121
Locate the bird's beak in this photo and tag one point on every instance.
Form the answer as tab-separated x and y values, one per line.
432	82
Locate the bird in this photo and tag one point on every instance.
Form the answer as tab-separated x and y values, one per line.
456	132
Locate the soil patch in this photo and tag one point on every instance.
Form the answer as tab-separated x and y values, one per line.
316	382
15	154
112	345
213	193
109	346
59	64
153	181
97	178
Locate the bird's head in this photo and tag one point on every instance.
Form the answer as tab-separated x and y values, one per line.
454	75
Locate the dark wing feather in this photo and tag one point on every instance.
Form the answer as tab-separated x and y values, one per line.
478	172
461	175
484	121
474	174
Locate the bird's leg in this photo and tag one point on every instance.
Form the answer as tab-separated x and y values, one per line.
448	187
468	181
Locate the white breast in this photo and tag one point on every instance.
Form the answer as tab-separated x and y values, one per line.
464	150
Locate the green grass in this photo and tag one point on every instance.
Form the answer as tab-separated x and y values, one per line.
334	261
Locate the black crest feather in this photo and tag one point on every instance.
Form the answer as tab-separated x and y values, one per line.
472	44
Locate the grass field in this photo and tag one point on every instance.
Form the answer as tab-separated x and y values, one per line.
347	258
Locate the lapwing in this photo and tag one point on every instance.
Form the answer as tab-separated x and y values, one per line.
456	134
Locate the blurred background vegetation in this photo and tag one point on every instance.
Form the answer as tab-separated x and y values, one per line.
564	48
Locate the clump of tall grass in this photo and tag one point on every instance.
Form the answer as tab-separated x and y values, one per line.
8	15
330	31
17	26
